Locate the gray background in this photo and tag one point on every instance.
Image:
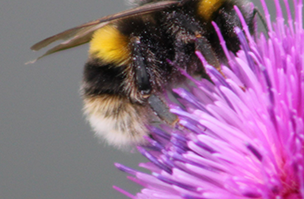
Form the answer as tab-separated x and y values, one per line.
47	150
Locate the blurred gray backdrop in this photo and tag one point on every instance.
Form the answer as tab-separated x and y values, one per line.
47	150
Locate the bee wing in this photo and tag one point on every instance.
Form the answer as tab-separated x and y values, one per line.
82	34
72	38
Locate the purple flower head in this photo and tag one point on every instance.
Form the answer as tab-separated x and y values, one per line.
243	134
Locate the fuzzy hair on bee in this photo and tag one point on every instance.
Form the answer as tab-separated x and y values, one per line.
128	72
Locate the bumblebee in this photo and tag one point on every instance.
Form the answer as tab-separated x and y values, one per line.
128	72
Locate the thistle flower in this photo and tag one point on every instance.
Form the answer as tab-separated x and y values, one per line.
243	135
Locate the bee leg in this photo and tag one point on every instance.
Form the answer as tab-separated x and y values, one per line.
256	12
202	45
144	86
141	73
161	109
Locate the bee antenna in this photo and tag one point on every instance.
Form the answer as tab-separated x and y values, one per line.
262	18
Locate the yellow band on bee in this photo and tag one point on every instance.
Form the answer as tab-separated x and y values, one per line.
207	7
110	45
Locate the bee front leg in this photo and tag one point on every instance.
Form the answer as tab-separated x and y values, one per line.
202	45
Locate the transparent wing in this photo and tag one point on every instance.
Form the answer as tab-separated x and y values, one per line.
82	34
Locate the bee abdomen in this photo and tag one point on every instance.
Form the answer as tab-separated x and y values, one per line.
115	119
102	79
110	45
